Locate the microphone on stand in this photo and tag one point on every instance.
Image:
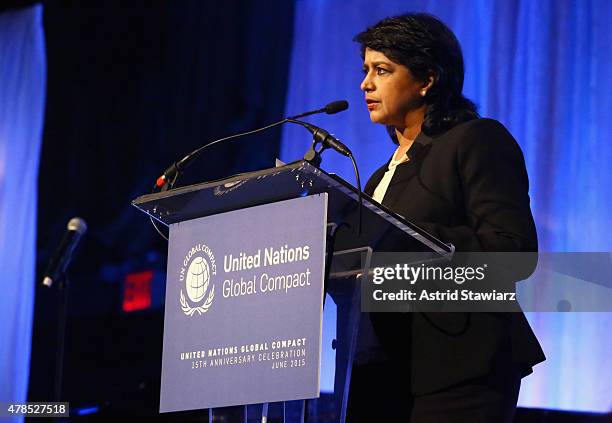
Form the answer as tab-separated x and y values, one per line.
58	264
320	135
330	109
168	178
327	140
55	272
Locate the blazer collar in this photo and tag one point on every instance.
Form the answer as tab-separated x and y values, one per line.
418	145
403	171
408	170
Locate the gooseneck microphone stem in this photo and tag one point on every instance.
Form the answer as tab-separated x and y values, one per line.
320	136
359	193
170	175
330	109
168	178
301	115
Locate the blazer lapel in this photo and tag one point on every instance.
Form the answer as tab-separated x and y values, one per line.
406	171
375	179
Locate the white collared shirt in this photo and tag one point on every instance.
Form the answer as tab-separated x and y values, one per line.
381	189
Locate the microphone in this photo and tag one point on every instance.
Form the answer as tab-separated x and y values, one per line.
325	138
168	178
331	108
61	259
336	106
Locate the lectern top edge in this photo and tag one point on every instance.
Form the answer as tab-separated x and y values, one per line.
250	189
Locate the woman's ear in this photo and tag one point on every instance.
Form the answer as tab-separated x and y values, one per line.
430	82
427	85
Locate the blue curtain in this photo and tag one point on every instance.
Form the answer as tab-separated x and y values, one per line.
543	69
22	96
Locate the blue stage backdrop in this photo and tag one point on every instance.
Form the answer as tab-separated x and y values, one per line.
543	69
22	92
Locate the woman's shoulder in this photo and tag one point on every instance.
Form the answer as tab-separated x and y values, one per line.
480	126
483	138
481	131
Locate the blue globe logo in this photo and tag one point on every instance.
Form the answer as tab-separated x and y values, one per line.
198	276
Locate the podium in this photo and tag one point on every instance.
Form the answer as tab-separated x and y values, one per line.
349	240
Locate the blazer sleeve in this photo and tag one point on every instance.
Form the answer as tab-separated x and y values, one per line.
495	189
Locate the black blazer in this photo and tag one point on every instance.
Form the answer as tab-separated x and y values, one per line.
467	186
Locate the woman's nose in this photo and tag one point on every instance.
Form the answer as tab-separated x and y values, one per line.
366	84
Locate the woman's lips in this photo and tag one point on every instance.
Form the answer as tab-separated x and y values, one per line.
372	104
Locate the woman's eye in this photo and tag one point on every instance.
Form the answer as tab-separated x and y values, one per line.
381	71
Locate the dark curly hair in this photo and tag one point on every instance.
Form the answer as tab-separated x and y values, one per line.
427	47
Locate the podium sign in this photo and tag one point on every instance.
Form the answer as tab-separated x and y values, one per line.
244	300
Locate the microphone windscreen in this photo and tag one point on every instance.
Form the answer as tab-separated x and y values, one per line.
336	106
77	224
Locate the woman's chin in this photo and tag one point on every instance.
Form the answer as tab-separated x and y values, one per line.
377	117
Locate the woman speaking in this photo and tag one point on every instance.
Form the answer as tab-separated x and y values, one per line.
462	179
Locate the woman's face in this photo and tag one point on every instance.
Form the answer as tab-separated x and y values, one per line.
391	91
